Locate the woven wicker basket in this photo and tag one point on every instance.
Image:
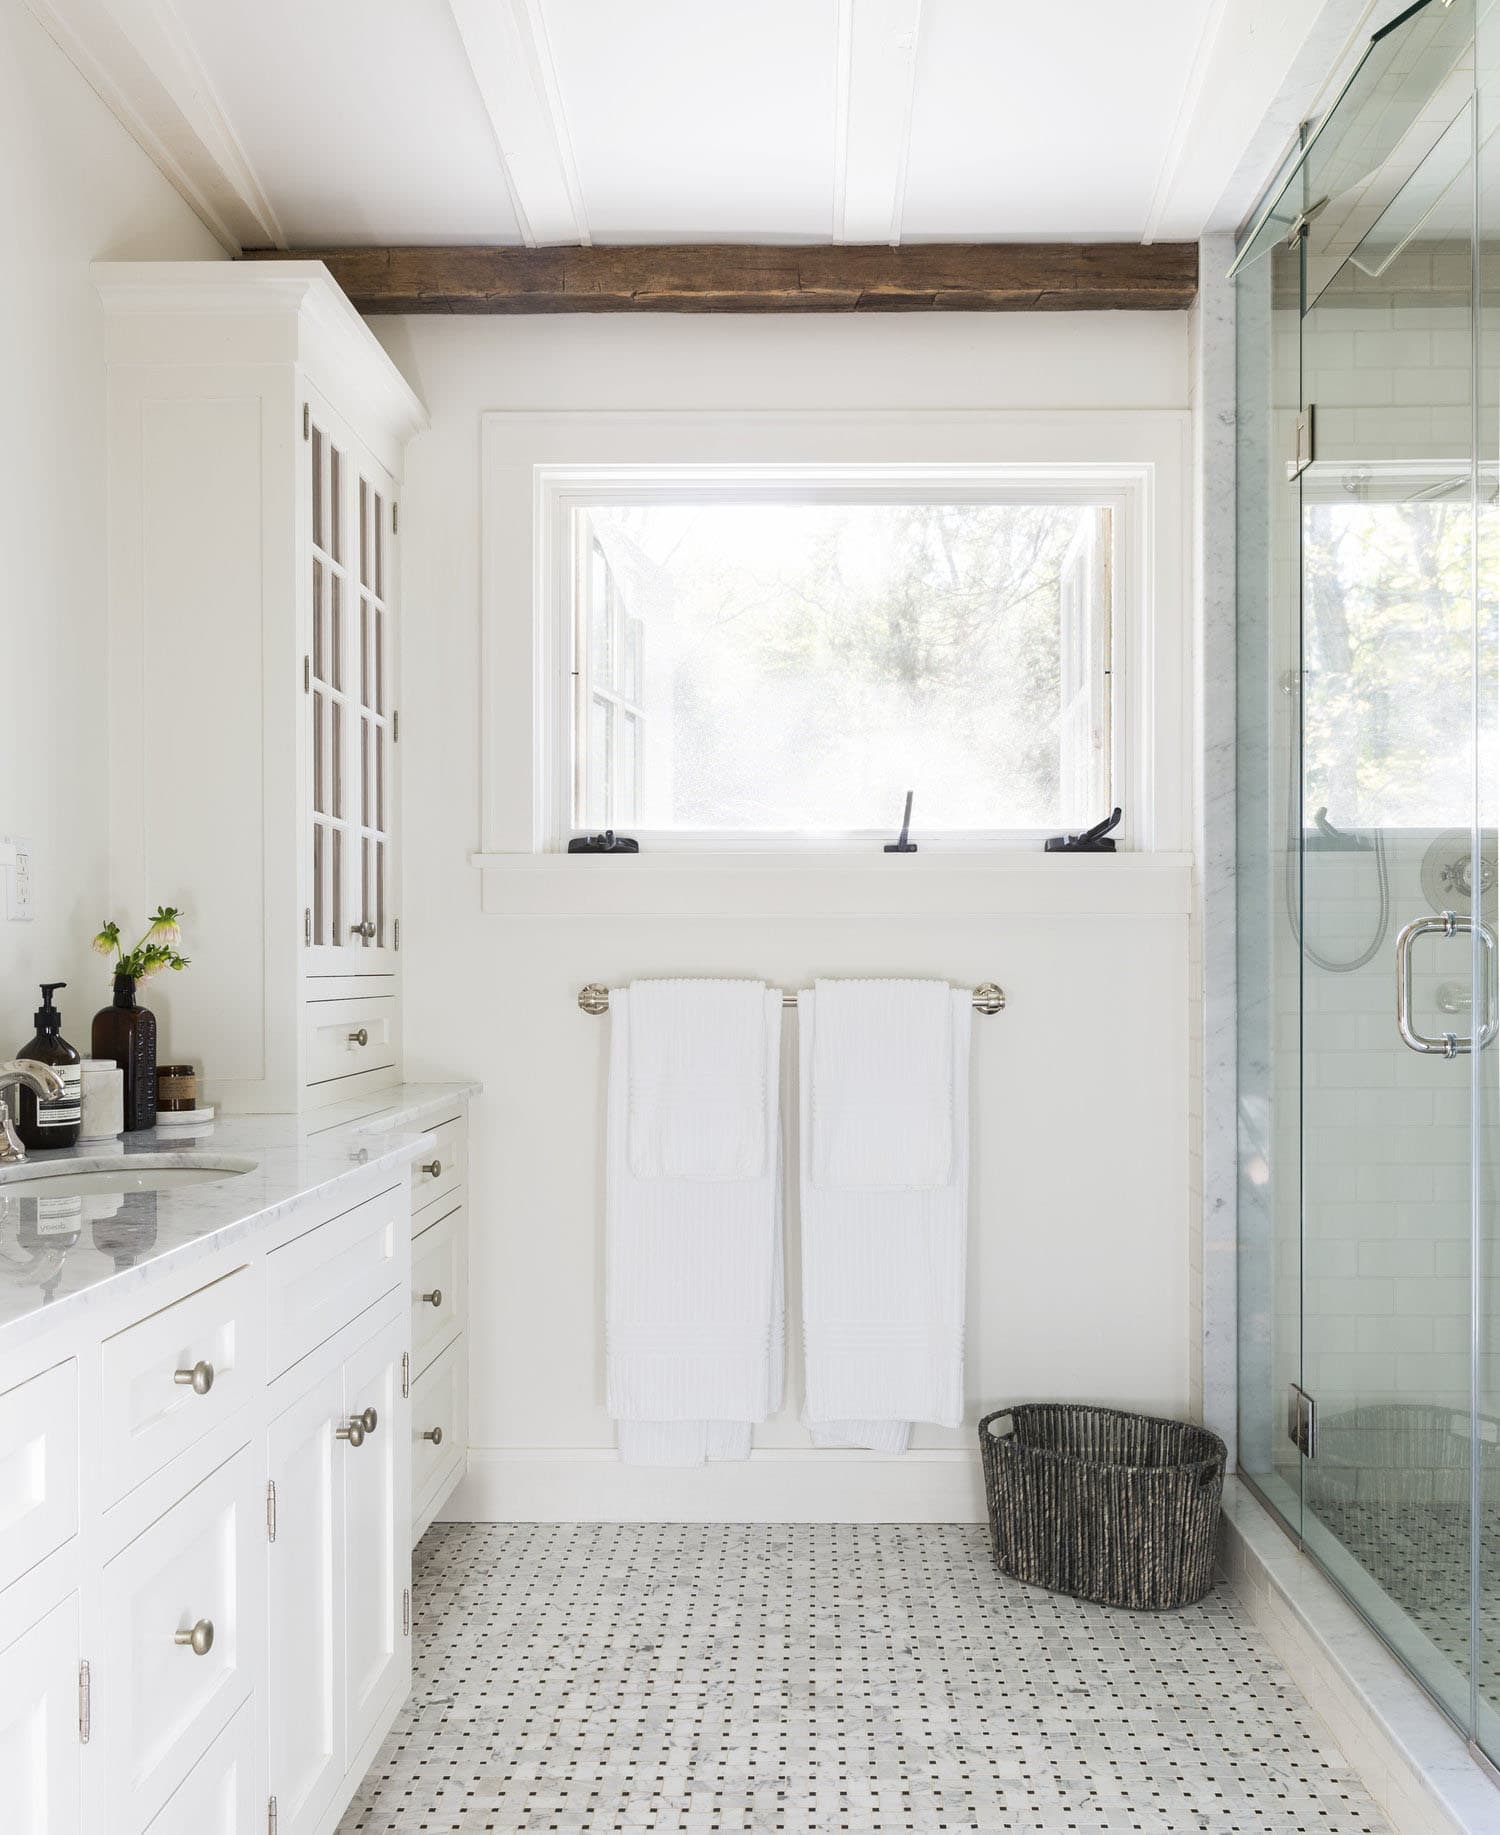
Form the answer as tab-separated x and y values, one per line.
1122	1509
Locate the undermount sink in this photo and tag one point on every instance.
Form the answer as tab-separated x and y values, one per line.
134	1172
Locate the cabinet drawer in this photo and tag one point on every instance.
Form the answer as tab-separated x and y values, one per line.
201	1564
344	1037
317	1283
171	1379
449	1156
438	1405
38	1469
439	1286
218	1795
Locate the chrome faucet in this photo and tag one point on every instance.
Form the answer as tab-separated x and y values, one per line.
40	1077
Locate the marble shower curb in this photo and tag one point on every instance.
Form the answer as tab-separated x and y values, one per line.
1412	1760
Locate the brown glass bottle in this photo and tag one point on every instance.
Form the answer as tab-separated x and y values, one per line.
126	1034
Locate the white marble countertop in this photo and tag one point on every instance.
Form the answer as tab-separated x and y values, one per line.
58	1256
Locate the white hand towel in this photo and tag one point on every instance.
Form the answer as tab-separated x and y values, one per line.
882	1085
698	1079
883	1275
693	1279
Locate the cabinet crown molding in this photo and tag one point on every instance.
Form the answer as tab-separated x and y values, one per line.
291	310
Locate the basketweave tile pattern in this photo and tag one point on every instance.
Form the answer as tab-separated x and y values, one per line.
718	1677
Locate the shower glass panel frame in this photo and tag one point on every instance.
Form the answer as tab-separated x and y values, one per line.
1368	684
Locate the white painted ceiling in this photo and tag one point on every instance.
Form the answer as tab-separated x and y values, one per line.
340	122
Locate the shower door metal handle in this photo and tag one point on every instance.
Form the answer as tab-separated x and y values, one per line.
1447	1044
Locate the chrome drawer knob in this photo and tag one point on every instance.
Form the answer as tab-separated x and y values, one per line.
362	1037
200	1378
433	1168
353	1431
435	1435
200	1640
435	1298
365	930
369	1420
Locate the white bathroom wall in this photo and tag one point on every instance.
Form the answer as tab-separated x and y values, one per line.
1079	1233
73	188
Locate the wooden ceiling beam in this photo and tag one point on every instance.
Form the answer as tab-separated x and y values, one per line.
738	277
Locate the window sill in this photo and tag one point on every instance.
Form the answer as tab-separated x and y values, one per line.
807	884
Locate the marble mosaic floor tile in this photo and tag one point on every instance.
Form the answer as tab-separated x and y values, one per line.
796	1679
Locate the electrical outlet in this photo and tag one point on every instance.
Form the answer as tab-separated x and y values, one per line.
19	904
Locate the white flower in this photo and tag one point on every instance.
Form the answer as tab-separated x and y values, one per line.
165	930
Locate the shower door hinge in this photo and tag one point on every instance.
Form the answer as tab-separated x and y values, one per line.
1302	1421
406	1611
1298	226
270	1509
1305	450
85	1705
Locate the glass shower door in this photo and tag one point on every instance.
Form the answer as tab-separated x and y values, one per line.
1383	819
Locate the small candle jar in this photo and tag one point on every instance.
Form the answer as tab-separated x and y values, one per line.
176	1087
103	1116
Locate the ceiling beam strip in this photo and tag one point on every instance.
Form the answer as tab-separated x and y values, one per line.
136	56
506	45
737	277
876	94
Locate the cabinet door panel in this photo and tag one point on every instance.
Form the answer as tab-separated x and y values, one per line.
200	1563
38	1469
305	1671
218	1795
439	1278
39	1750
377	1480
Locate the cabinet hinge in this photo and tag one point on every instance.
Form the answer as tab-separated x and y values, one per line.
306	421
396	726
395	517
270	1816
85	1705
396	931
406	1611
270	1509
406	1373
1302	1421
307	925
307	675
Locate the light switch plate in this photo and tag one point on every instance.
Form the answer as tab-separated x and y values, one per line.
19	904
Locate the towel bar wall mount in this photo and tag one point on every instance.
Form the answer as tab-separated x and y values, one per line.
989	997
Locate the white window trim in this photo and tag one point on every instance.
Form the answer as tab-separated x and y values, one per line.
535	465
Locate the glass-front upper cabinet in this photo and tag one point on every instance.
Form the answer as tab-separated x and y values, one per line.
350	919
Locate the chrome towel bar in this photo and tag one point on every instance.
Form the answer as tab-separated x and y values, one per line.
989	997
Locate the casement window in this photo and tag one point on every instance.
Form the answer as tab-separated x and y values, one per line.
786	661
766	651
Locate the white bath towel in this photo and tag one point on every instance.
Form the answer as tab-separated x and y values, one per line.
698	1079
693	1280
883	1273
882	1085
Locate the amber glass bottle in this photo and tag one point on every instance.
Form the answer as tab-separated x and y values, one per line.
126	1034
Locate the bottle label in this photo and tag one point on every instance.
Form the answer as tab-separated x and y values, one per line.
63	1111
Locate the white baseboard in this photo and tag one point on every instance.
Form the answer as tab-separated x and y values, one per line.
775	1485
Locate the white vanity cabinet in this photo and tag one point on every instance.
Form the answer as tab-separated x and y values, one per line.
256	445
205	1530
439	1319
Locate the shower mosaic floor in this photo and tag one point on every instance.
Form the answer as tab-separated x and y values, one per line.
803	1678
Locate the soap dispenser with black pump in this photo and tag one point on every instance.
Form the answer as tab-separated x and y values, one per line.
43	1121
